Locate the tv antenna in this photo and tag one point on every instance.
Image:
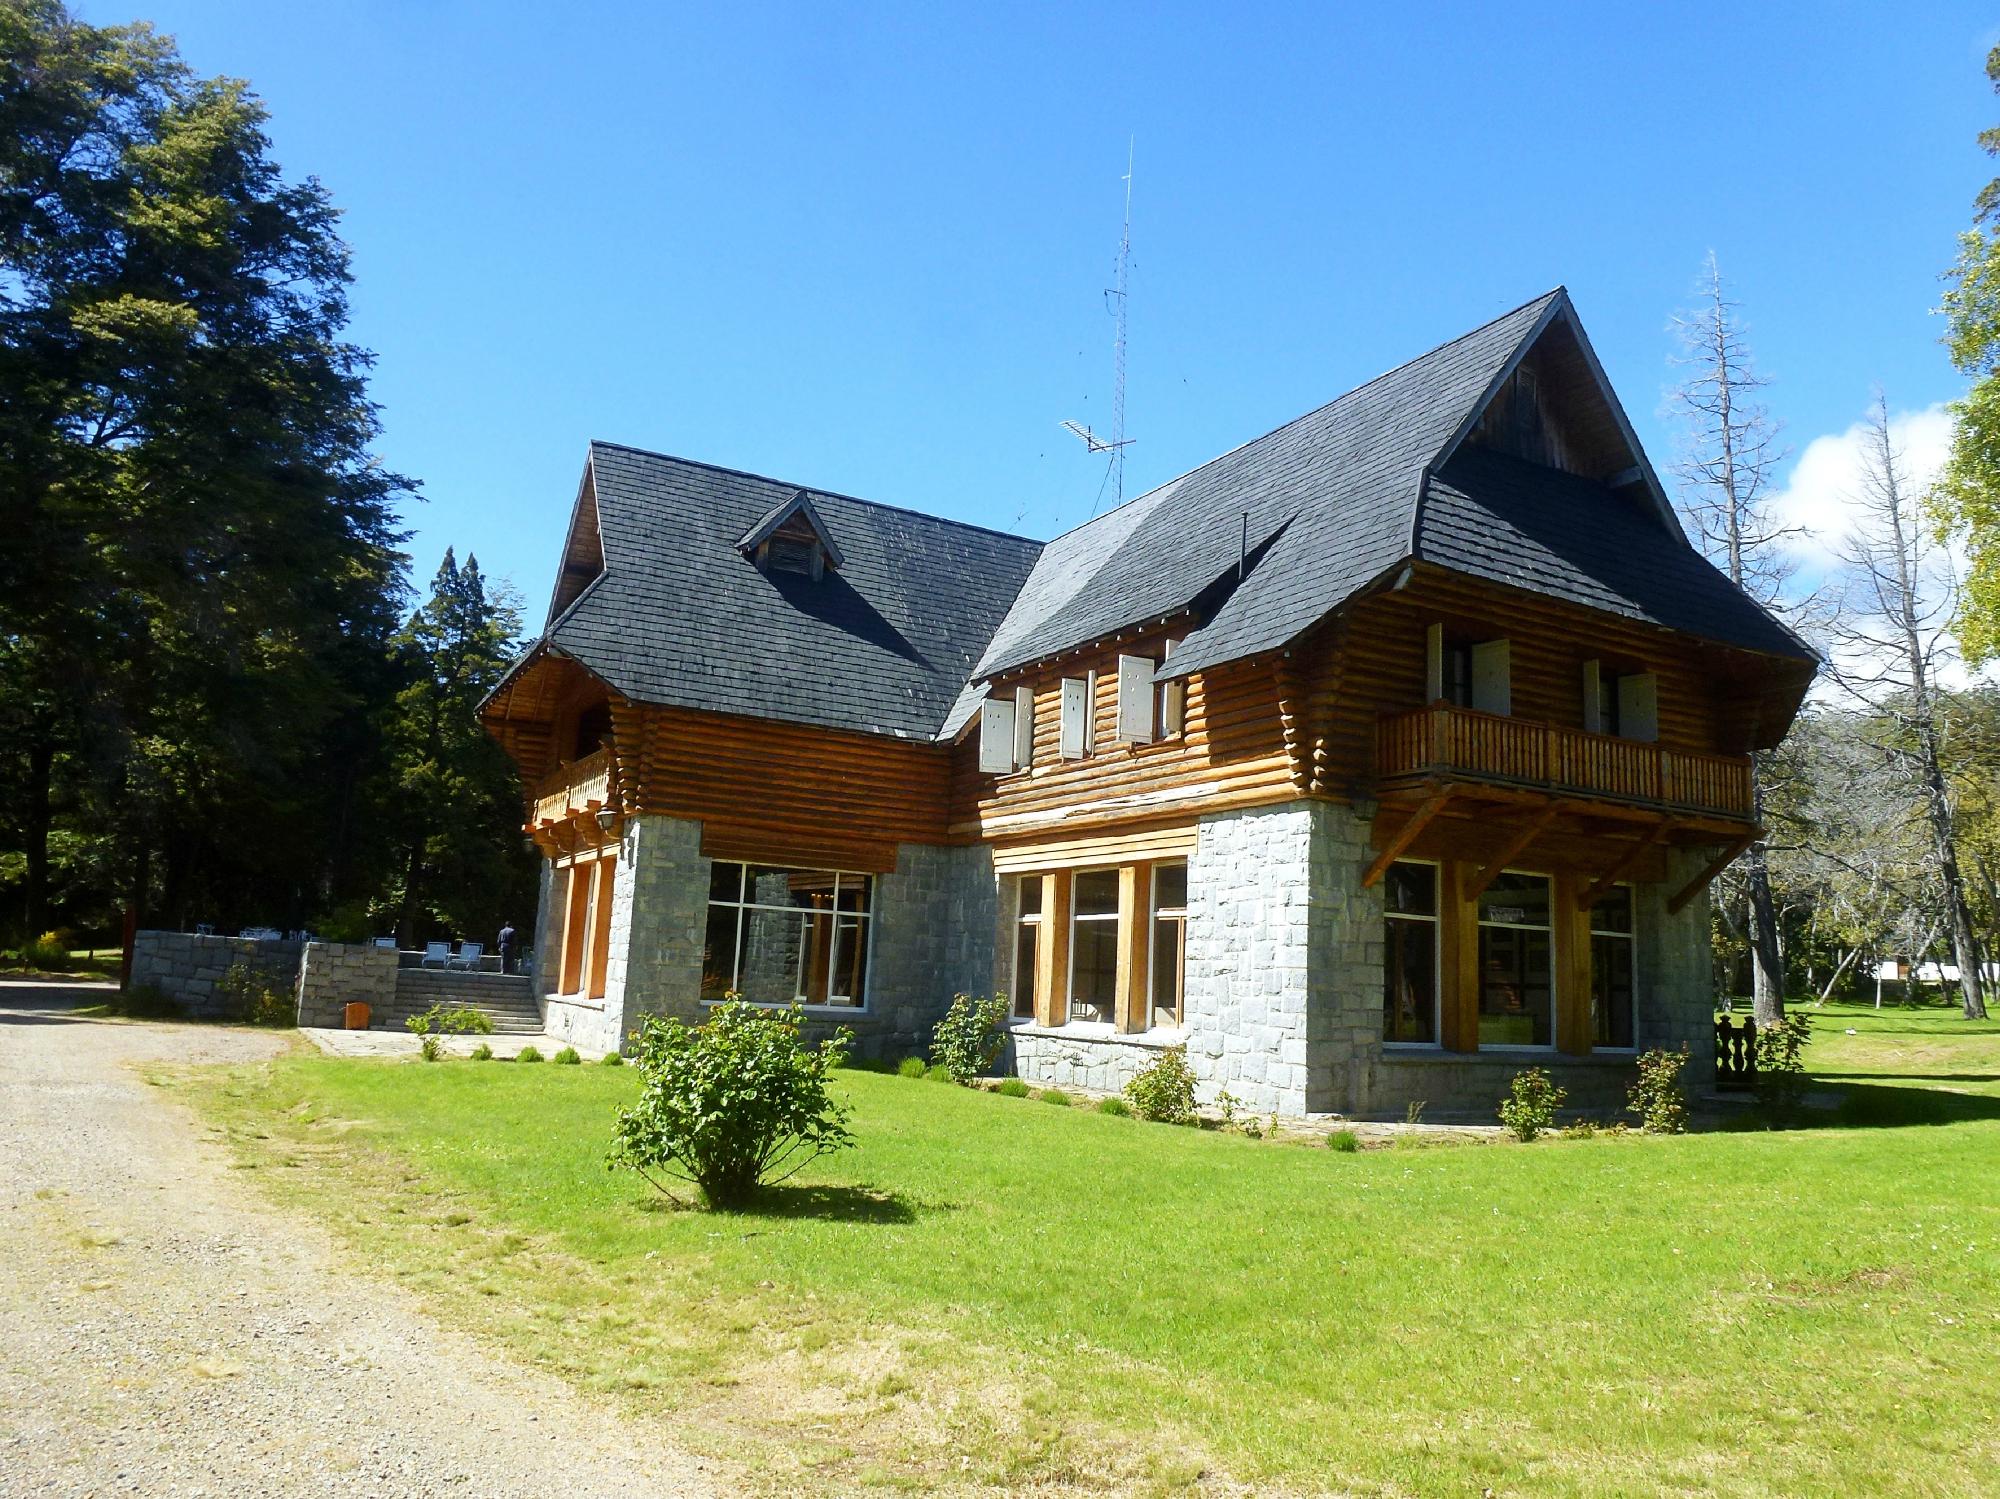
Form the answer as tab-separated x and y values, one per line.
1115	296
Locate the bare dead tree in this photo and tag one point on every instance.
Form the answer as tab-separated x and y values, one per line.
1891	643
1729	452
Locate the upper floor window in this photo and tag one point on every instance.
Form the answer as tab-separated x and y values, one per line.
792	554
1468	674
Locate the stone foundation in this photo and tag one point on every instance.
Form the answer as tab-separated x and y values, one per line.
1062	1058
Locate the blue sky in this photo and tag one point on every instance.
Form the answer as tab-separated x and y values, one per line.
864	248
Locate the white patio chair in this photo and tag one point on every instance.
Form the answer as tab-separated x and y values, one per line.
468	956
435	952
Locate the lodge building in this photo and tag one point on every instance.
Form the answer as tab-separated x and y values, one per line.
1371	761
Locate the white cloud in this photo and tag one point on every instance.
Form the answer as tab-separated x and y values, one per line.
1819	496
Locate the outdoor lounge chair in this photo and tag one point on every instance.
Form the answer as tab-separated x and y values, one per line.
468	956
435	952
388	942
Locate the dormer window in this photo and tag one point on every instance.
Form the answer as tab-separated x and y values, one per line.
791	538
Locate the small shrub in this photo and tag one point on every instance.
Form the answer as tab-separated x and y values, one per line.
567	1057
1012	1087
734	1104
48	952
528	1053
939	1074
1226	1104
1413	1111
1658	1096
1343	1140
442	1019
1115	1106
249	996
911	1067
1252	1130
1781	1066
482	1053
1581	1129
611	1059
972	1033
431	1045
1055	1095
1164	1091
1531	1103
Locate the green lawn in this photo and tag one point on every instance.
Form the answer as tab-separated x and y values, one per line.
994	1293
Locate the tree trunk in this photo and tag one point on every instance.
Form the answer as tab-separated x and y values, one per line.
35	819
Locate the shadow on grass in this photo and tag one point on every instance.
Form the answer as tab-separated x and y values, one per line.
840	1204
1875	1106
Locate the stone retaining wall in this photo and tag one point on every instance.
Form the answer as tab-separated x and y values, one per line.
331	974
188	969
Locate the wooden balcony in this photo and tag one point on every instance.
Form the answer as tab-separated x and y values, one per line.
1442	741
578	788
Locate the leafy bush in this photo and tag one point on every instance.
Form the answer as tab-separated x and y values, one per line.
1115	1106
1012	1087
911	1067
1531	1103
1226	1104
611	1059
48	952
442	1019
431	1046
1781	1065
567	1057
528	1053
939	1073
482	1053
731	1105
1164	1091
249	995
972	1033
1658	1096
1343	1140
1055	1095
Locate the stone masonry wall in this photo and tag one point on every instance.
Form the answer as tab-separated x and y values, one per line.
189	969
333	973
659	912
935	919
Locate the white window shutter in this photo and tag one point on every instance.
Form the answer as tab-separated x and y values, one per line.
1491	690
996	736
1075	710
1024	727
1433	663
1639	707
1135	700
1090	714
1593	698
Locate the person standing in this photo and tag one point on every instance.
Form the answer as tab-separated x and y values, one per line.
507	941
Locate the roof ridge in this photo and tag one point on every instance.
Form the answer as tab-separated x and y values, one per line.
810	489
1439	348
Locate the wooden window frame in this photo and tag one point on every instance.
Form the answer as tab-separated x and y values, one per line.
1118	917
1023	919
1155	913
1558	919
833	913
1439	977
1588	931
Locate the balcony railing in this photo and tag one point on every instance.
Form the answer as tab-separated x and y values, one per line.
1446	740
580	786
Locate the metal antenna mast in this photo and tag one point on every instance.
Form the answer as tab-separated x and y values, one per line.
1116	444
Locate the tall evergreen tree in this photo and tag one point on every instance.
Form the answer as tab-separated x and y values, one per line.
454	802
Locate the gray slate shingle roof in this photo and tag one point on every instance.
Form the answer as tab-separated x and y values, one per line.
1522	525
680	617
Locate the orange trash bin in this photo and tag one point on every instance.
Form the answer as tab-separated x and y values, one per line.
357	1015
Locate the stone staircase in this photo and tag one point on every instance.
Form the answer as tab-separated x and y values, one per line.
507	999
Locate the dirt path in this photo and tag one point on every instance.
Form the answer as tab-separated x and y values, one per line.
163	1331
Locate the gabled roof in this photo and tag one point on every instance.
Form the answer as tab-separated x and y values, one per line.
1334	501
680	617
799	505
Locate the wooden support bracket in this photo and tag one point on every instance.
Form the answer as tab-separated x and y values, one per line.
1530	830
1715	867
1621	866
1406	835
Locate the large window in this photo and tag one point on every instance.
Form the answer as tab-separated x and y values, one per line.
1169	956
1410	954
1093	944
1611	970
1027	944
776	935
1516	992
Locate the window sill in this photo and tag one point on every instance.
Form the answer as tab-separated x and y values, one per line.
577	1001
1415	1052
1099	1030
783	1004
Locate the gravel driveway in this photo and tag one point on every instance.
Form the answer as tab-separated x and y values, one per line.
162	1331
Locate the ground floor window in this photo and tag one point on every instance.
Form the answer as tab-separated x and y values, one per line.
1516	962
1410	954
1169	945
1611	969
778	935
1027	944
1093	945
